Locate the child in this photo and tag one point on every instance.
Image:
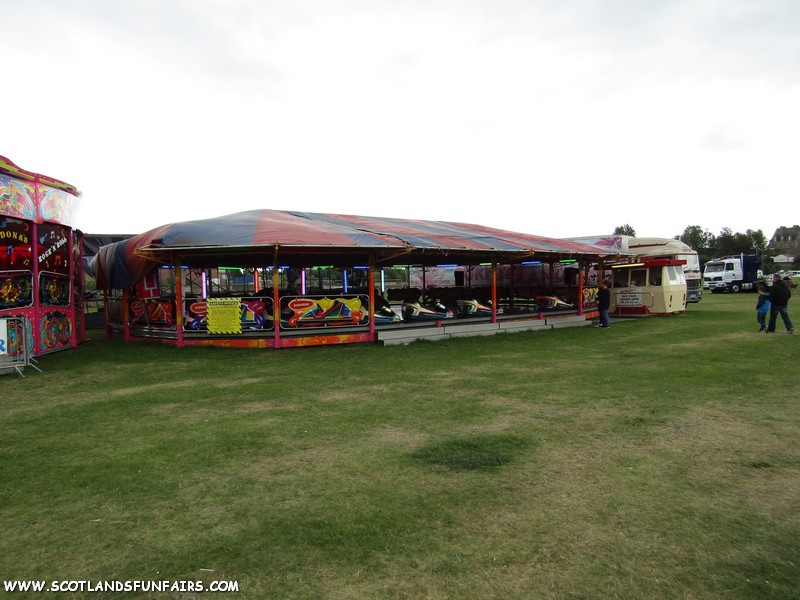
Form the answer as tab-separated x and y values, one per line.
762	307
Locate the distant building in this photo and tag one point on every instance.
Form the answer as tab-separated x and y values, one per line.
786	240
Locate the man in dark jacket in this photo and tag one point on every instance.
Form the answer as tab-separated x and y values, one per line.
779	295
603	304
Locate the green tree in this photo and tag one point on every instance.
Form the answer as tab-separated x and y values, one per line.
725	243
750	242
698	238
625	230
709	246
758	240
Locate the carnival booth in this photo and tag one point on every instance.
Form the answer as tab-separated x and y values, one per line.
269	278
41	278
648	276
648	287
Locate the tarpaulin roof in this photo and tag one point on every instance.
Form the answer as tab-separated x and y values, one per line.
258	238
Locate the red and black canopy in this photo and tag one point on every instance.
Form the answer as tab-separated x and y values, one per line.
260	238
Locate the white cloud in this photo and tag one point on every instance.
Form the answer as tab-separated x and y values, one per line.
530	116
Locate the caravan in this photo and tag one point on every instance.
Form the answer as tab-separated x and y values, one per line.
649	287
656	248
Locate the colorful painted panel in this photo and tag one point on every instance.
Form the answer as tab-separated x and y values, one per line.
17	198
590	296
52	248
152	313
55	331
286	342
16	289
57	205
323	340
15	244
307	311
15	336
53	289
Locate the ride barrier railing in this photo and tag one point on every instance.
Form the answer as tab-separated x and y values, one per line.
14	352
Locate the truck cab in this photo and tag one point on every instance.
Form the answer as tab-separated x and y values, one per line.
732	273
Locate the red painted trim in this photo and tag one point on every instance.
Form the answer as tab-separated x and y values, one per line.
293	342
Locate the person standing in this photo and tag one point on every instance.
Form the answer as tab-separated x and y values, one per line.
762	307
779	295
604	304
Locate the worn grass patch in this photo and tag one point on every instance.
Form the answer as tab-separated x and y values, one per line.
476	452
657	459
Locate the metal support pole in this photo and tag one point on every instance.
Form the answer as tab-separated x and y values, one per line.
126	314
179	291
494	292
371	283
276	299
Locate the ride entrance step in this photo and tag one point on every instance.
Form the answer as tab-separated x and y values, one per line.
572	321
406	336
530	324
470	329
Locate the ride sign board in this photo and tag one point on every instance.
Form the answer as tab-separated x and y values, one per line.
224	315
629	298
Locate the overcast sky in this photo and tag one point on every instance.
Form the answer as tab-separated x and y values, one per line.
548	117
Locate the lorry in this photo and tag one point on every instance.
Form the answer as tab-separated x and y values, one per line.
732	273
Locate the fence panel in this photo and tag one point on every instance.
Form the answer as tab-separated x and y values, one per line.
14	355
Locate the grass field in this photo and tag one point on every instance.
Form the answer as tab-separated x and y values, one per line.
657	459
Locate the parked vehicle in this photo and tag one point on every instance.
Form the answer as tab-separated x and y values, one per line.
732	273
656	248
649	287
659	248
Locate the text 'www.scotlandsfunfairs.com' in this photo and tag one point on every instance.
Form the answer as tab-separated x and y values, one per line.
120	586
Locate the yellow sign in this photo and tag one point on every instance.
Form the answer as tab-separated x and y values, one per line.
224	315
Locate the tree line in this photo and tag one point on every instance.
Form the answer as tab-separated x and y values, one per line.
709	246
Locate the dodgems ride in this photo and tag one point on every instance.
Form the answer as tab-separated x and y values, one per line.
427	309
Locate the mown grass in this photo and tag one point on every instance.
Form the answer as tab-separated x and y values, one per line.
656	459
